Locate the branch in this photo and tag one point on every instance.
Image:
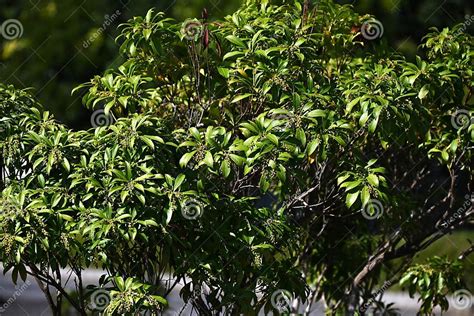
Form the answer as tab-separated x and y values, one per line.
53	283
466	253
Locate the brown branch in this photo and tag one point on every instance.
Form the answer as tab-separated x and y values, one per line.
45	290
466	253
54	284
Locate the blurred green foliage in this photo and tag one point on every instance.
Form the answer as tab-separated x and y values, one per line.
406	21
449	246
51	58
50	55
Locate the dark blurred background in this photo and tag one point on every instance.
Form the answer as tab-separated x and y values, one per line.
50	56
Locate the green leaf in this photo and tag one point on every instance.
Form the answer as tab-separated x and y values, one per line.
317	113
141	198
301	136
454	145
123	196
148	142
263	183
66	164
123	100
423	92
351	185
195	132
445	155
155	138
49	164
120	283
55	200
41	181
150	222
208	159
37	162
183	162
237	159
365	196
235	40
225	168
66	217
343	178
241	97
169	213
23	272
160	300
373	180
373	125
272	138
363	118
263	246
178	181
440	282
132	49
312	147
405	278
351	104
232	54
224	72
351	198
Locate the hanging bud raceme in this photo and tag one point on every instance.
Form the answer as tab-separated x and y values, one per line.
204	14
205	38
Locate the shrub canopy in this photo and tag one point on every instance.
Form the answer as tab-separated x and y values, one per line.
278	153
